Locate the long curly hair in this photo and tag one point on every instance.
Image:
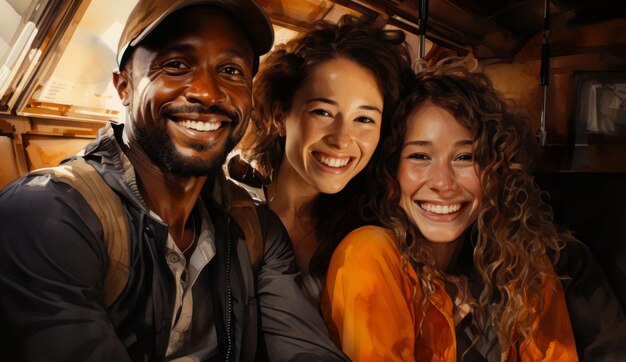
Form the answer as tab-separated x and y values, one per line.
514	228
283	71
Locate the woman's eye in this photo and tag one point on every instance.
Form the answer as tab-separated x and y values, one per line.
365	120
419	156
465	157
321	112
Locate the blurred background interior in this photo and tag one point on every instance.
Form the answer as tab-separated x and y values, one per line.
565	66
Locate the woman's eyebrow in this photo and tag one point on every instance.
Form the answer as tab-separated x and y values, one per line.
330	101
323	100
418	143
464	143
370	108
429	143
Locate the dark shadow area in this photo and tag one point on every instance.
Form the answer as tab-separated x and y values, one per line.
593	207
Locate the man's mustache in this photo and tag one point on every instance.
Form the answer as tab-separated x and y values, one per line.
201	109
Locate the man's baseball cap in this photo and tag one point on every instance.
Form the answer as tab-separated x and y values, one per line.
148	14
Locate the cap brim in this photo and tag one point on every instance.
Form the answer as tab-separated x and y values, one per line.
247	13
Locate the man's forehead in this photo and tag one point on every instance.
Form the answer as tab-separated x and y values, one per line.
197	24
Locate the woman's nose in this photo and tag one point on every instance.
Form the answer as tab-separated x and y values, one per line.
340	136
442	177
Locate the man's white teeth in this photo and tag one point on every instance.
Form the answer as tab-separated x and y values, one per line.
440	209
334	162
201	126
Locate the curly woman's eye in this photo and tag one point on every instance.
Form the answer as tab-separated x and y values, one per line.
465	157
419	156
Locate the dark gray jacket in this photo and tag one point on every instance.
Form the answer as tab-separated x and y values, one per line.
52	263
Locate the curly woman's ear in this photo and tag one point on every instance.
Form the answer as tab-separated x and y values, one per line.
278	119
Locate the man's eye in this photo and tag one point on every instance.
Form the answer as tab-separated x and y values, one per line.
232	71
321	112
178	65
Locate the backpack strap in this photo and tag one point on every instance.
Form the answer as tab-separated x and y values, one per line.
108	207
243	210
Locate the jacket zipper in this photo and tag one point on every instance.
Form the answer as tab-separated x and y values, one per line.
229	298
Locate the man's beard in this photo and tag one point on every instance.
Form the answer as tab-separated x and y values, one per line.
158	145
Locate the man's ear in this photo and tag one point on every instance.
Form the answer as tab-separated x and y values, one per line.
278	118
121	81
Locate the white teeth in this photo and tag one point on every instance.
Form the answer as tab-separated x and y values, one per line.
440	209
200	126
333	162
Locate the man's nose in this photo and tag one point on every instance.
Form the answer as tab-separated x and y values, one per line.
206	89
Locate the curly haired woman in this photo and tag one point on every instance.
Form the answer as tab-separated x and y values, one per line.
455	264
322	101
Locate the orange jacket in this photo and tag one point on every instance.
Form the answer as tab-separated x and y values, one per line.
369	307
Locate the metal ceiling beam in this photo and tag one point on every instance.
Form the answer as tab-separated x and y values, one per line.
387	7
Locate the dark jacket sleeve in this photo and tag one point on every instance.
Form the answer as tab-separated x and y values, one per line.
293	329
52	261
597	316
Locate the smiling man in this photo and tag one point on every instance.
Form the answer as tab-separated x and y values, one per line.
189	290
